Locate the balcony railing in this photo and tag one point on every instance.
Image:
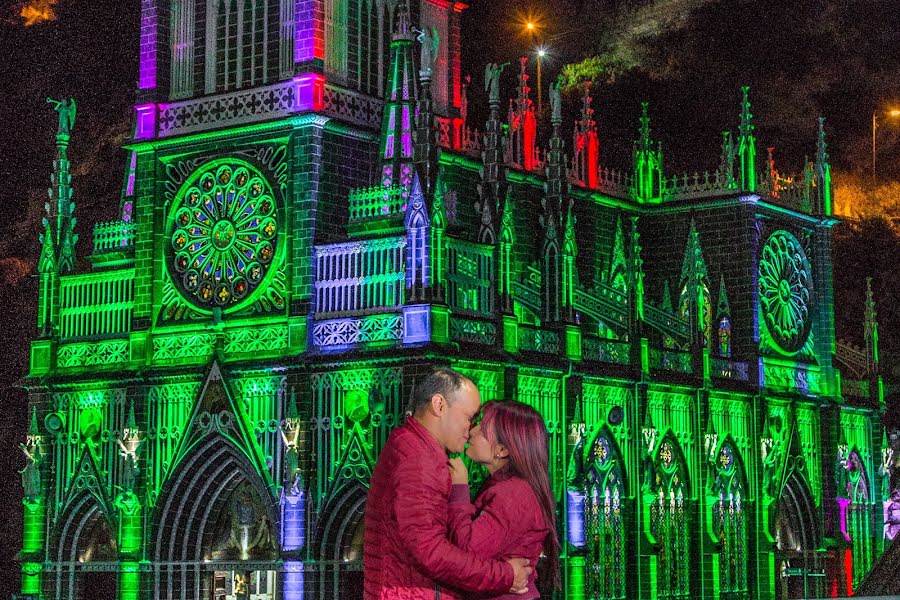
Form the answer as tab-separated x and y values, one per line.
96	305
115	236
372	203
357	278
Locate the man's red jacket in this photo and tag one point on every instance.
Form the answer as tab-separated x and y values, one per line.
407	553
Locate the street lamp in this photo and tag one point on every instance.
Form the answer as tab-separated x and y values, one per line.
893	113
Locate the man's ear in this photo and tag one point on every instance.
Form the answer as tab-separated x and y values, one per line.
438	404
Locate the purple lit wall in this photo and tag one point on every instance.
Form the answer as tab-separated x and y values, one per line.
309	92
145	121
149	33
293	580
309	36
293	528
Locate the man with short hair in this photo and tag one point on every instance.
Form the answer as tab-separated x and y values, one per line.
407	552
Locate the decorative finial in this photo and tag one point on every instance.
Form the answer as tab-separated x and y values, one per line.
746	117
822	147
870	304
403	26
645	126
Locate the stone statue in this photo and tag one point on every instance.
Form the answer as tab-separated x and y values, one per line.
892	516
131	470
430	43
291	462
66	110
241	585
492	81
31	474
555	104
575	472
770	466
248	528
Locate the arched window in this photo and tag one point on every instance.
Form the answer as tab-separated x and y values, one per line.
252	68
669	523
704	310
604	521
858	515
730	524
226	45
725	337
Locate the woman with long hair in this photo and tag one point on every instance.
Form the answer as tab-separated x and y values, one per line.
513	514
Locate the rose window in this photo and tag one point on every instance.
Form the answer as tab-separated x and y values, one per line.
224	234
785	291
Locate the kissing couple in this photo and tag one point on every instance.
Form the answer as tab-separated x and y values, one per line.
424	537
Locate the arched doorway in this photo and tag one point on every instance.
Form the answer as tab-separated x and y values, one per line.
86	552
797	540
215	528
340	535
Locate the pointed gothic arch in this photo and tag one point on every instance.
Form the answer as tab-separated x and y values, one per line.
190	511
85	533
797	538
605	518
339	543
669	520
730	521
217	484
857	515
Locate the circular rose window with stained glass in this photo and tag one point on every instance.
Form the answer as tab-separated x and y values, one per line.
224	234
785	291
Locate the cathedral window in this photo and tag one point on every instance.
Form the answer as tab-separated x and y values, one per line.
669	523
605	522
858	516
730	525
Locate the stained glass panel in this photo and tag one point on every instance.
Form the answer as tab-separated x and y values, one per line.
669	524
604	523
730	526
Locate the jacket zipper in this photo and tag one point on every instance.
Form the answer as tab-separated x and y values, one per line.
437	591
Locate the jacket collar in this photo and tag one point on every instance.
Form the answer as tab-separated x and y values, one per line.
423	433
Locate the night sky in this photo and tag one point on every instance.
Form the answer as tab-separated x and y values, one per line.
688	58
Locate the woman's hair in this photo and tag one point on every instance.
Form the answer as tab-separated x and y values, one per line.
522	431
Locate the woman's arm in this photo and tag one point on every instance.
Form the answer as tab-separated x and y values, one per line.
495	525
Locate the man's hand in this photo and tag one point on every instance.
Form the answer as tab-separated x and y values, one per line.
458	472
521	572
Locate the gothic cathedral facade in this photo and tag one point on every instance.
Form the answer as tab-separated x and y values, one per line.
308	223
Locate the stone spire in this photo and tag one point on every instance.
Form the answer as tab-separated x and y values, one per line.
522	125
647	163
426	144
747	144
61	208
491	156
586	144
505	257
870	332
694	285
555	194
58	238
823	174
396	147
